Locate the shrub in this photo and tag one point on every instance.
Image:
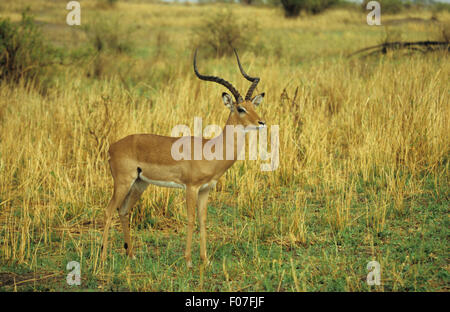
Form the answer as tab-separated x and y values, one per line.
440	6
389	6
23	51
108	38
224	31
108	35
292	8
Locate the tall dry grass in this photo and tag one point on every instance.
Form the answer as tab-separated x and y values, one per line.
346	127
358	138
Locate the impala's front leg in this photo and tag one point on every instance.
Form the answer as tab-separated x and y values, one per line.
191	202
202	212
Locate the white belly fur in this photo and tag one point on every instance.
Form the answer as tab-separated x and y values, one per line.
162	183
208	185
173	184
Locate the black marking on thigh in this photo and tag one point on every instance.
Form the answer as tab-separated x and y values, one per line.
125	246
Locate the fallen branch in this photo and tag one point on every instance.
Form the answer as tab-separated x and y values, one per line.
421	46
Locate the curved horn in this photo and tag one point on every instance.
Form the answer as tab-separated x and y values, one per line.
254	80
221	81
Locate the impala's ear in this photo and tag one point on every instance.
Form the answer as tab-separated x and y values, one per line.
227	100
258	99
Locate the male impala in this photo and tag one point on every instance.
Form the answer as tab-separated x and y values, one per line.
142	159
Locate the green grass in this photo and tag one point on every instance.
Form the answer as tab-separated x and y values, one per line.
412	250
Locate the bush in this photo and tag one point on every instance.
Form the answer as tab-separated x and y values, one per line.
224	31
23	51
108	38
292	8
440	6
108	35
389	6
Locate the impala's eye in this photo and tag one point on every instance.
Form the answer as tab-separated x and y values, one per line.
241	110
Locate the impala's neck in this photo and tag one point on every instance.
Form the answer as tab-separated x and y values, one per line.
231	146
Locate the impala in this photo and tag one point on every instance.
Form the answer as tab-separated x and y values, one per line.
142	159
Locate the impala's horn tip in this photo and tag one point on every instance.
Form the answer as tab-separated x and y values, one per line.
218	80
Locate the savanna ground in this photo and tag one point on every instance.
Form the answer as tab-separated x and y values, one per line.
364	149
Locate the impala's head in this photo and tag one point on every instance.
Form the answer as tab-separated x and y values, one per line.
242	110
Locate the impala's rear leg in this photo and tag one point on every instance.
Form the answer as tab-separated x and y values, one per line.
120	193
133	196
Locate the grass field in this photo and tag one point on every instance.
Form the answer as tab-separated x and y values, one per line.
364	150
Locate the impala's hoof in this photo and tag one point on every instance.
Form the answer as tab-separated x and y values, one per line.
189	264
